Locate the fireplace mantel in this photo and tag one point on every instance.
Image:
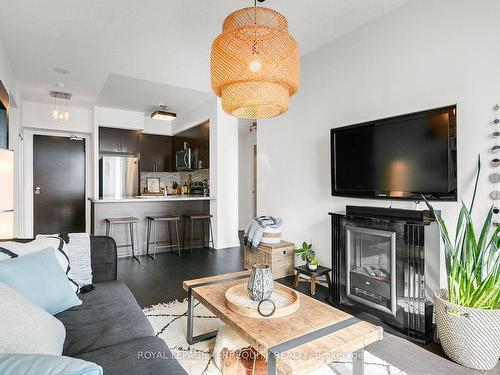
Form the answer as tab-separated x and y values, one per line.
386	263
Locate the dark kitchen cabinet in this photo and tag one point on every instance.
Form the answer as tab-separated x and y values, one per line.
198	140
130	141
109	140
156	153
118	140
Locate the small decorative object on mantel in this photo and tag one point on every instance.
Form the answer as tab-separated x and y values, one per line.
278	256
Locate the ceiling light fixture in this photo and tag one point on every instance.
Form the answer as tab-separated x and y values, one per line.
163	114
60	111
255	63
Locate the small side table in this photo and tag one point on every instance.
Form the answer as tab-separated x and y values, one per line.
320	271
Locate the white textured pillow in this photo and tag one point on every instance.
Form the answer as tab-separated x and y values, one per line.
26	328
11	249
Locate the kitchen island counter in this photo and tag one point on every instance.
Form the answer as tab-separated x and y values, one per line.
141	208
168	198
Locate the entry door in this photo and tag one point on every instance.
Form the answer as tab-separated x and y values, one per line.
58	184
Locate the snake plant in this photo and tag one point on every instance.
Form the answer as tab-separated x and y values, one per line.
472	263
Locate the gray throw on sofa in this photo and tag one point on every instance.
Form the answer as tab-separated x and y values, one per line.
109	328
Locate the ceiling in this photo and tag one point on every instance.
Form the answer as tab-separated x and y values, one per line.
139	95
114	47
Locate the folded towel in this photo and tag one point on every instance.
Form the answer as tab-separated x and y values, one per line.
255	229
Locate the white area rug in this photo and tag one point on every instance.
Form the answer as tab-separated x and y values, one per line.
169	322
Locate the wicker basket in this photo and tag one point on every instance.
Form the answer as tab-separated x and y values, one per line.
272	234
278	256
470	337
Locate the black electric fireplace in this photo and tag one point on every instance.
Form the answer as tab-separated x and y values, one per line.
386	263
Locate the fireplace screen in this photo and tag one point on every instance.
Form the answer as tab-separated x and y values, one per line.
371	267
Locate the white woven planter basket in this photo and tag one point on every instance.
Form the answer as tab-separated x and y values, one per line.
470	338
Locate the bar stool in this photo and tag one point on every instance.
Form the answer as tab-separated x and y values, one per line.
132	226
203	219
152	222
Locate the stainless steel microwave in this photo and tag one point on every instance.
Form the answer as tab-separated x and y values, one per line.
183	160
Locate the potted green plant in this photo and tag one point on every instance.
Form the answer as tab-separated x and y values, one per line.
468	311
308	255
313	264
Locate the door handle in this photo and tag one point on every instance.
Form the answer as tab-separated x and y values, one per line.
37	190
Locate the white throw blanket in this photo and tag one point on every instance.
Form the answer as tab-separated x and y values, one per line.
77	249
79	257
255	230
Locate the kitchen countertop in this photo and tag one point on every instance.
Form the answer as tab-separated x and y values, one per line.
168	198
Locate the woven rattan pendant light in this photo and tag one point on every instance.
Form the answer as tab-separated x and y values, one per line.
255	64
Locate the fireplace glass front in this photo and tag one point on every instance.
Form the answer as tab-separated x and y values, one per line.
371	267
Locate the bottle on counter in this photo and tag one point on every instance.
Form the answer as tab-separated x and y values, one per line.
185	188
189	181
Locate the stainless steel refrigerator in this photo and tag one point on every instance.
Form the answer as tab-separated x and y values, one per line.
118	176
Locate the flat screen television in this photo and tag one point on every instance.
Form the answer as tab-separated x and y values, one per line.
402	157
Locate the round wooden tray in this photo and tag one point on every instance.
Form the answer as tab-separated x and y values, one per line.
287	301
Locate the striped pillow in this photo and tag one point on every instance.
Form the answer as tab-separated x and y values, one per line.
10	249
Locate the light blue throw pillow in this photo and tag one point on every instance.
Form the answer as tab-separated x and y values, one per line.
44	364
41	280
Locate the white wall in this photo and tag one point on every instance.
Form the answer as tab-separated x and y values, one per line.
9	81
119	118
426	54
223	166
39	116
246	141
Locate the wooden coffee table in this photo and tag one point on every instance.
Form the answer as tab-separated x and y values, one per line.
312	337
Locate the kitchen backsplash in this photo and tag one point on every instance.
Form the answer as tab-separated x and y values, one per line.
168	178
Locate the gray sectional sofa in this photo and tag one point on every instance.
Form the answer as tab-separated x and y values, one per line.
109	328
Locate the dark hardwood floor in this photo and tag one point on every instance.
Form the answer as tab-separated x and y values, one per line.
154	282
159	281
